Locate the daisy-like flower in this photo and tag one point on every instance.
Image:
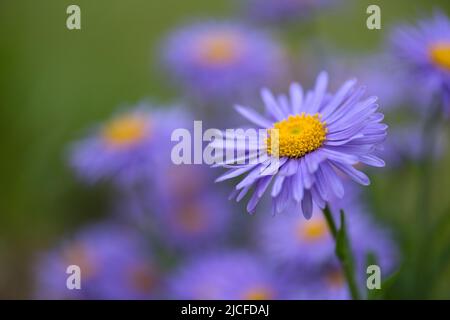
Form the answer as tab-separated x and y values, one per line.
126	148
324	283
218	59
296	243
311	140
406	143
194	224
224	276
393	88
114	264
425	49
307	245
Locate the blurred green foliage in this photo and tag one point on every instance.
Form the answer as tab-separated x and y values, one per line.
56	83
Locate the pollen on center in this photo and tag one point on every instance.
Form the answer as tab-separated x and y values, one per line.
296	136
312	230
258	294
219	49
125	130
440	54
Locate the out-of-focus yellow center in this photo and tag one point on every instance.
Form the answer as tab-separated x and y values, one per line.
78	255
312	230
142	278
125	130
440	54
258	294
296	136
192	218
219	48
335	279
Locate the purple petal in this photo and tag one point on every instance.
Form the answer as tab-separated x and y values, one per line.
253	117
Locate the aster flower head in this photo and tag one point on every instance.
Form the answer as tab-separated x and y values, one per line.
296	243
196	223
217	59
114	264
225	276
381	75
425	50
325	283
126	148
310	140
284	10
407	143
307	245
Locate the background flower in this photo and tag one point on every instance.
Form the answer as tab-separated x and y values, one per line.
128	148
222	59
426	50
114	263
298	244
225	276
285	10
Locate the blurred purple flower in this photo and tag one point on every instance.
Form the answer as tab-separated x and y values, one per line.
285	10
407	143
219	59
317	135
127	148
307	245
305	251
227	276
425	50
114	264
325	283
180	208
382	76
195	223
291	240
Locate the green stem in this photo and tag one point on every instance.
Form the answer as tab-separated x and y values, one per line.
421	276
330	222
343	251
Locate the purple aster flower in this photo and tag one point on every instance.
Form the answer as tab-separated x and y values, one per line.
196	223
325	283
225	276
425	49
296	243
381	75
285	10
219	59
180	207
127	148
291	240
407	143
114	264
310	139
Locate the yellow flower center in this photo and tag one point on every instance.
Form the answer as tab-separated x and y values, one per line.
125	131
219	49
142	278
335	279
312	230
192	218
77	254
258	294
440	54
296	136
